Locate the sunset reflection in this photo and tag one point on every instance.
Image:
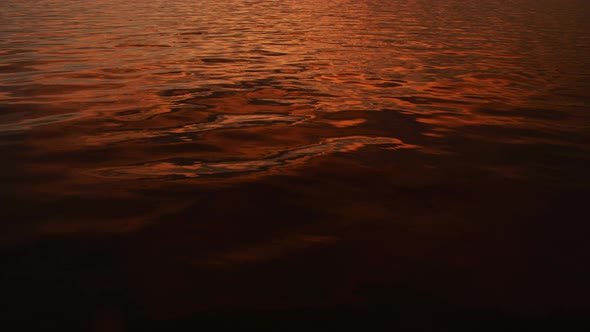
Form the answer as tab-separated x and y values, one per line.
317	165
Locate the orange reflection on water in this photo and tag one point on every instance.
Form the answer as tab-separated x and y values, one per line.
310	148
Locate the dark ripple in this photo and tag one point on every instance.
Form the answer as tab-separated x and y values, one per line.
31	123
54	89
221	121
388	85
192	33
535	113
220	60
182	92
268	53
430	100
17	67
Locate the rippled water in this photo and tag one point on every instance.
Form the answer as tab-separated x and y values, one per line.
245	144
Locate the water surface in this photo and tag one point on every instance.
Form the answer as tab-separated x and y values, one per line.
165	159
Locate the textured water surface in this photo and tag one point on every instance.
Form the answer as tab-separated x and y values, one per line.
168	158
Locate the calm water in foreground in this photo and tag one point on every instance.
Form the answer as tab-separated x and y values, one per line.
294	164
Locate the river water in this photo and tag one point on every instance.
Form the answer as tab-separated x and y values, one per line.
163	160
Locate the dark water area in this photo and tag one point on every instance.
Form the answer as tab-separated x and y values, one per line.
287	165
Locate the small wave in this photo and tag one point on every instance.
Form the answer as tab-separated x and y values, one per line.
224	121
29	124
195	168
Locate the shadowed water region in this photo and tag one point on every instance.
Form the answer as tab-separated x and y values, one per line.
287	165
